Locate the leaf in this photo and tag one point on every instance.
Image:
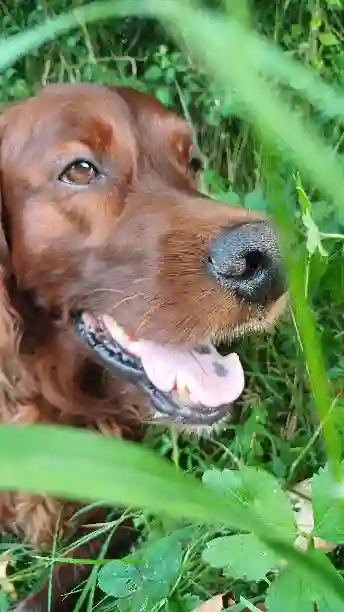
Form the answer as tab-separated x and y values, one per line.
313	236
164	95
297	592
119	579
145	576
153	73
328	39
241	556
161	560
255	201
214	182
255	488
229	197
290	592
327	516
301	499
212	605
270	501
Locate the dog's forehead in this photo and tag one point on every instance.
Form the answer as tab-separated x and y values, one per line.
92	117
96	116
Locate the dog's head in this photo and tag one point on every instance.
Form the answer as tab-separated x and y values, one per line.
104	227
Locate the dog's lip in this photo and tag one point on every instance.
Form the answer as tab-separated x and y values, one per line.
114	357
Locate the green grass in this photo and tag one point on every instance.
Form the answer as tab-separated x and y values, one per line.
255	148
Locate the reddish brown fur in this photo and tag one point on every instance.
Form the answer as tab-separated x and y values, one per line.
132	246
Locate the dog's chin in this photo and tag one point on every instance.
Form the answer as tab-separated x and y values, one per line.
190	430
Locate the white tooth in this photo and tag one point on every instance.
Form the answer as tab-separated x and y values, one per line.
182	386
116	331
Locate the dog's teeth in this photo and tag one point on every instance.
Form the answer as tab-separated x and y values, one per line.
116	331
182	386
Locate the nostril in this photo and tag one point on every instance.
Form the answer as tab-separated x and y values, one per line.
236	267
240	267
255	261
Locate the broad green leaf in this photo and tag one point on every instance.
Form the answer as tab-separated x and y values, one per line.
292	591
164	95
254	488
255	201
328	522
229	197
241	556
145	577
119	579
313	235
328	39
214	183
270	501
153	73
161	560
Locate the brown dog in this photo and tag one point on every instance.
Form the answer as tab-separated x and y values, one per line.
117	279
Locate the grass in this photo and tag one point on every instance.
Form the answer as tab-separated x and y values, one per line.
276	426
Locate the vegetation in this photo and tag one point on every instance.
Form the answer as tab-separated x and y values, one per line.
268	111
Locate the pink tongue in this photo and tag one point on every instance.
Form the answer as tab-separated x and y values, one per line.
212	380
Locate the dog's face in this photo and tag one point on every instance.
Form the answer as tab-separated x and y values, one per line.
108	232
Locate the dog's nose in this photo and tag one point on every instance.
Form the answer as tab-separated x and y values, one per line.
246	260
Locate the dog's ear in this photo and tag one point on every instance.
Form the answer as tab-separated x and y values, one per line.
6	120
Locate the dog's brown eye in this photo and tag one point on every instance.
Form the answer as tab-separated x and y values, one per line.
80	172
195	164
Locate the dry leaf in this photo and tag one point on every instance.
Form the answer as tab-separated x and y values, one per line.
5	584
303	512
215	604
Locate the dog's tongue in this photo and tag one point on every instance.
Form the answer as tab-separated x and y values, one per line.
199	375
206	376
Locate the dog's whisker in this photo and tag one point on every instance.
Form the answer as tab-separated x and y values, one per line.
126	299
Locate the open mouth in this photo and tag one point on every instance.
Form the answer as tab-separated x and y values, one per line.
190	386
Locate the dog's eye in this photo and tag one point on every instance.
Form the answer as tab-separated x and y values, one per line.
195	164
80	172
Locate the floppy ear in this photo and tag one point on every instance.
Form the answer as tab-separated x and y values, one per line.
4	250
9	319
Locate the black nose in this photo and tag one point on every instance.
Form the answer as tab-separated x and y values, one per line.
246	260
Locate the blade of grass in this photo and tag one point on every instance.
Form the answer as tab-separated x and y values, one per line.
277	126
14	47
76	464
264	56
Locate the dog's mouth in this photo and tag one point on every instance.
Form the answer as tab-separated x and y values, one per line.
190	386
